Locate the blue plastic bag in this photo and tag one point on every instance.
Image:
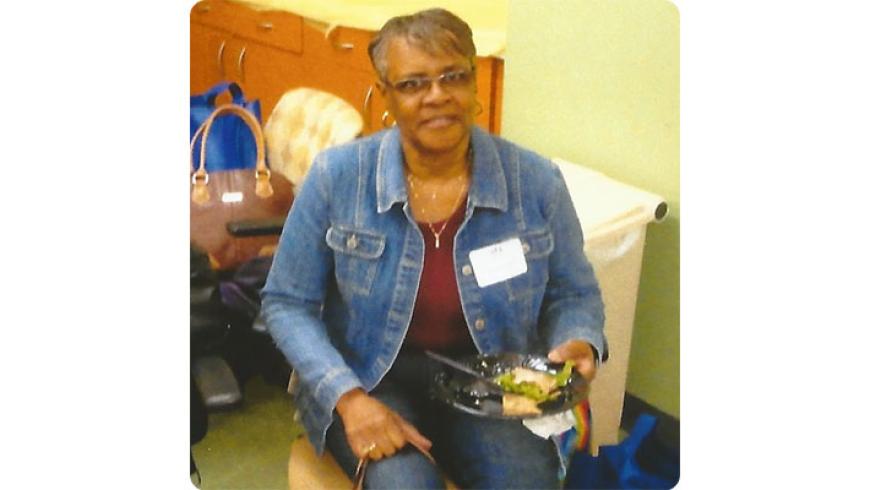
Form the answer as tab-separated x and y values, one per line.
231	145
638	462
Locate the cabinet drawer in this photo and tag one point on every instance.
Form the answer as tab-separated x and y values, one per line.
214	13
343	46
282	30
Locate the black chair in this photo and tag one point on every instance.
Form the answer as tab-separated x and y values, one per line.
229	341
210	327
240	292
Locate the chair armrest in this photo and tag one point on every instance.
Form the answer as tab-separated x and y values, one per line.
256	227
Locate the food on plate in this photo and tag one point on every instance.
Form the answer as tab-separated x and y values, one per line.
545	381
519	405
525	388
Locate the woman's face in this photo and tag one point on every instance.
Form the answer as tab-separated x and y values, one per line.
437	116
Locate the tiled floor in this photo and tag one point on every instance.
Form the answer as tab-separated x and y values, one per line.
249	447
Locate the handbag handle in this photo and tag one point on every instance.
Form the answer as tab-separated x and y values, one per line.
363	463
234	88
263	187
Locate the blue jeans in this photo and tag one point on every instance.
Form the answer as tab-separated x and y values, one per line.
475	452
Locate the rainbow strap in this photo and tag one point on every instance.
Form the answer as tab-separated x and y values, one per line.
584	425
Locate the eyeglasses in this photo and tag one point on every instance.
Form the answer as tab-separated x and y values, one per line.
451	80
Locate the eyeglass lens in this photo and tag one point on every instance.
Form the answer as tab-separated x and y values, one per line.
449	80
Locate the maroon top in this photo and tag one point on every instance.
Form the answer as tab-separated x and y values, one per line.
438	322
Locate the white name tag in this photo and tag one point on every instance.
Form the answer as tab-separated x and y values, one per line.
498	262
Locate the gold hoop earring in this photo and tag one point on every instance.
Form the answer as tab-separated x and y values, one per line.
479	108
384	118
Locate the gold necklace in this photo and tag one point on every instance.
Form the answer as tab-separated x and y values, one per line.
469	157
438	233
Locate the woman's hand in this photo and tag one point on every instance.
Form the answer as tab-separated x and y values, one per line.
373	429
578	351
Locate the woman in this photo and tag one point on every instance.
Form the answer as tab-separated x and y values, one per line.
430	235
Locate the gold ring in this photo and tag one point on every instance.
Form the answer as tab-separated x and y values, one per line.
369	448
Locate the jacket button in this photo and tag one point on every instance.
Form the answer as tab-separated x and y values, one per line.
479	324
352	242
466	270
526	247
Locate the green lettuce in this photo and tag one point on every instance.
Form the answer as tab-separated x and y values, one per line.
531	390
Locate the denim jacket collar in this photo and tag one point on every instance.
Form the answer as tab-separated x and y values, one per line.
489	186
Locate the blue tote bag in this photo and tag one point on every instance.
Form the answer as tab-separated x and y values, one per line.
638	462
231	144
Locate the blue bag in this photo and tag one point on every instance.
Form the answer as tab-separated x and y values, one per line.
639	462
231	145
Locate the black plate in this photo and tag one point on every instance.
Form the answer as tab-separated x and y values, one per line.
467	394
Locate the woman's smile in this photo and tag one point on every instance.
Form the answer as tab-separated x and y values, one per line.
440	122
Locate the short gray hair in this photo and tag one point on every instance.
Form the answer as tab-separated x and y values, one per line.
434	30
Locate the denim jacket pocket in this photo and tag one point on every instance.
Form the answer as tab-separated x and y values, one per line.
356	254
537	247
527	290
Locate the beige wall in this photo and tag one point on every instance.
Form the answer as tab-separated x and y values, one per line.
597	82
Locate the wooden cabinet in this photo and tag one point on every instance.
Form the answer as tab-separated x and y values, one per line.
270	52
261	51
207	48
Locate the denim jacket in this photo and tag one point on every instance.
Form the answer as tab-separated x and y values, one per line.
344	279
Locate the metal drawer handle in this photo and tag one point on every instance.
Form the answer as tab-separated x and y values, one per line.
239	65
331	38
220	57
266	26
367	108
